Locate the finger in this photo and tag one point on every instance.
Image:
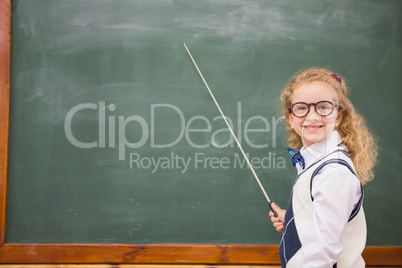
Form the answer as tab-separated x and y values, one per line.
277	224
274	219
275	207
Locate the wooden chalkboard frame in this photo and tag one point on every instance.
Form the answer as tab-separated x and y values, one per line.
123	253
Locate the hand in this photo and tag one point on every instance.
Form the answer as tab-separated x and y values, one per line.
277	222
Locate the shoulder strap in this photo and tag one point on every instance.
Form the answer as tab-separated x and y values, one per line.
346	164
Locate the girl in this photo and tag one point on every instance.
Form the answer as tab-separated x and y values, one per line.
324	224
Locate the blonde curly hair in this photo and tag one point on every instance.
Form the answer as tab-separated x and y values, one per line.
355	135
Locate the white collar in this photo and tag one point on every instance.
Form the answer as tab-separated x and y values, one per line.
319	149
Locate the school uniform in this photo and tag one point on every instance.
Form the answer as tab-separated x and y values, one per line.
324	224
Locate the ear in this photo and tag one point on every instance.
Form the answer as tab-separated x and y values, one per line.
339	118
290	118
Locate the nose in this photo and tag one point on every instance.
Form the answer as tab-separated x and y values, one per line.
312	114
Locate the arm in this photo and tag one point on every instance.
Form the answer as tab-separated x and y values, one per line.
336	191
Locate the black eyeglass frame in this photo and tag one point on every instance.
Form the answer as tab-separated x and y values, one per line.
334	105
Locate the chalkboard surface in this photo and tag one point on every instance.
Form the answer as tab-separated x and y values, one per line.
115	139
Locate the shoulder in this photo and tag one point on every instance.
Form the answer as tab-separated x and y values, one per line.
335	170
335	178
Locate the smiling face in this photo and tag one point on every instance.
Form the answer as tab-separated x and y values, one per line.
313	127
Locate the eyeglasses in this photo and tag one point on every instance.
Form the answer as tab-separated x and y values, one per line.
323	108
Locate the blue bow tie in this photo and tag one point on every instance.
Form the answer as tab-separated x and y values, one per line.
296	157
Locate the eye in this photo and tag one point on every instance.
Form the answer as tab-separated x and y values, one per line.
324	107
300	108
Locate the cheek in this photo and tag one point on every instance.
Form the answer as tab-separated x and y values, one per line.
329	119
295	122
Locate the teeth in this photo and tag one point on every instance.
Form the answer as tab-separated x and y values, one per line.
312	126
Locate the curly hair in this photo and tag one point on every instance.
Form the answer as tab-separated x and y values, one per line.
355	135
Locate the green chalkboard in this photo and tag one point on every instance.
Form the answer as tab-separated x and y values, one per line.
115	139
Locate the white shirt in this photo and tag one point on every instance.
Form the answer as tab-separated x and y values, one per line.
336	191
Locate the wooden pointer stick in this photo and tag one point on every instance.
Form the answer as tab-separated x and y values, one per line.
231	131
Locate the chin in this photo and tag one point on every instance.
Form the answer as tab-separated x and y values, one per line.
311	140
